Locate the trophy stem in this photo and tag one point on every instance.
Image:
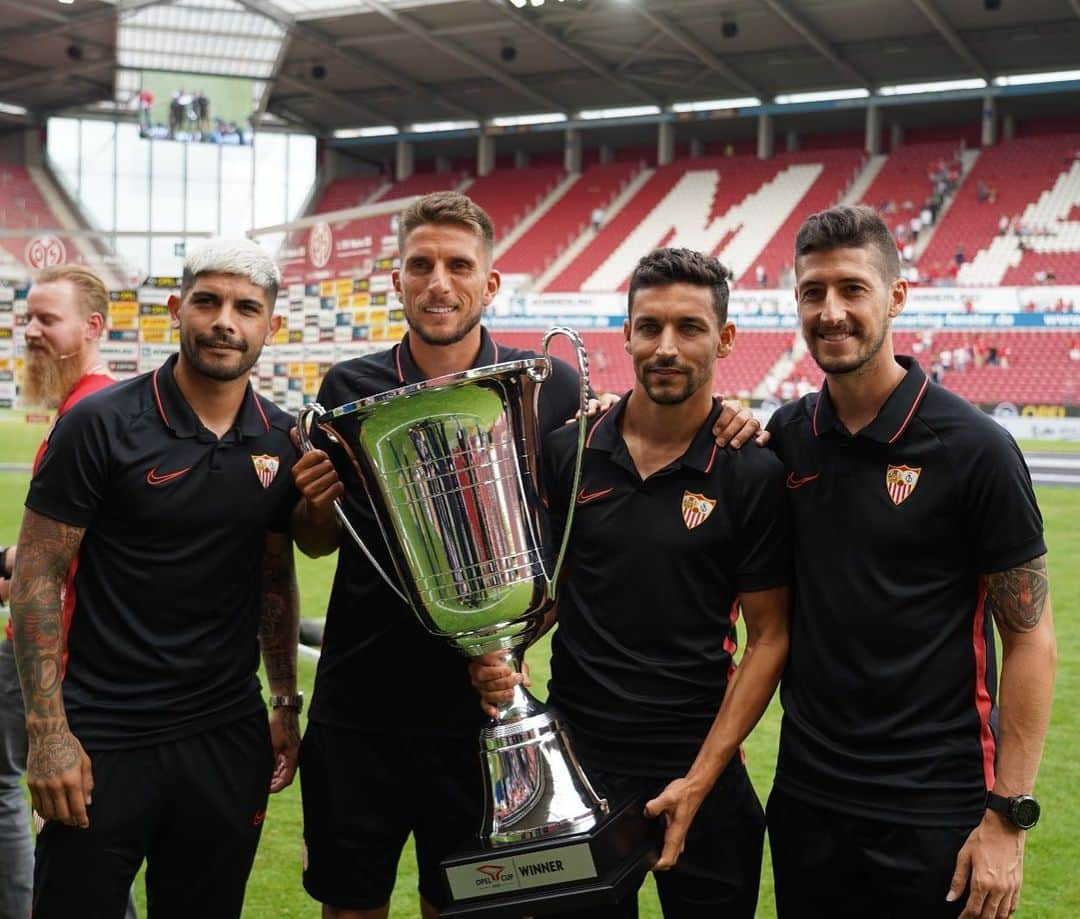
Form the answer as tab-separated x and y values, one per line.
522	704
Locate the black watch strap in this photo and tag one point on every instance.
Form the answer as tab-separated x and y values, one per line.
1021	811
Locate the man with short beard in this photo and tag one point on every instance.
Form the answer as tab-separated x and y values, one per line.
907	764
172	490
66	310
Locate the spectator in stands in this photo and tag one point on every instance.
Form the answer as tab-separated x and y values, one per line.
354	823
1003	224
761	276
902	786
597	218
937	371
926	215
961	356
916	227
945	359
1074	348
982	193
959	257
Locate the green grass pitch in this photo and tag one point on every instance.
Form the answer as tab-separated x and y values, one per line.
1053	849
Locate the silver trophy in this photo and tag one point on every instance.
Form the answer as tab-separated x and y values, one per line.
450	468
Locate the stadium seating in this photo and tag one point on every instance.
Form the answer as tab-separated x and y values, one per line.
508	195
738	207
904	180
22	207
1028	179
566	219
1035	365
350	191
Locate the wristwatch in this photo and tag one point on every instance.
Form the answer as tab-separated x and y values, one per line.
295	702
1020	810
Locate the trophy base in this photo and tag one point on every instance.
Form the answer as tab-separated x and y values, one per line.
557	874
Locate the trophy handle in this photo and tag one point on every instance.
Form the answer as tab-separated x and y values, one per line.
583	371
305	418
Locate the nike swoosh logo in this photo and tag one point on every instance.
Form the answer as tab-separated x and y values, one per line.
152	477
798	481
585	497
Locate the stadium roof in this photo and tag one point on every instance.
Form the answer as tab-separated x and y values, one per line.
350	64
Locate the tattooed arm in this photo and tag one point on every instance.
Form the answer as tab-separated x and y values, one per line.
993	856
57	767
279	627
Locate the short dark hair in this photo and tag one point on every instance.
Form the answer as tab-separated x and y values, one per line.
681	266
848	226
447	207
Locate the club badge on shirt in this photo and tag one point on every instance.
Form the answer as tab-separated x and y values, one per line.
900	482
266	468
696	509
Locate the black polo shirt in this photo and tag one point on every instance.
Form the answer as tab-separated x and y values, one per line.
163	638
647	612
379	669
888	691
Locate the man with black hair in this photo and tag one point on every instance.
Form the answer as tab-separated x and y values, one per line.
902	787
672	538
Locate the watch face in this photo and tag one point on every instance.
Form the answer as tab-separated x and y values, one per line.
1026	812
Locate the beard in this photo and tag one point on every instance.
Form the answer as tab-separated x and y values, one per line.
224	373
675	390
49	377
867	351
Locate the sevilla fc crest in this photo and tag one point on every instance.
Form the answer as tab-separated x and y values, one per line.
266	468
696	509
900	481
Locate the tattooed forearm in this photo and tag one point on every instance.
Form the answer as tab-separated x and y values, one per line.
1017	596
279	622
46	551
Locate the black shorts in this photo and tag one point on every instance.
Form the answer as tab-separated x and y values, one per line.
828	864
719	871
364	793
193	808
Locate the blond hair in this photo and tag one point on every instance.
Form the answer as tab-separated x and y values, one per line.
92	294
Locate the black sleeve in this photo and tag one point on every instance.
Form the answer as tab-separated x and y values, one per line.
764	526
557	471
71	481
1004	525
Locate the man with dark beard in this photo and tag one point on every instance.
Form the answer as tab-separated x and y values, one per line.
172	491
66	310
906	767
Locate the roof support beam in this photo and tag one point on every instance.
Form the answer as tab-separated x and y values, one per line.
83	18
679	35
474	61
45	77
340	100
364	61
552	37
927	8
816	41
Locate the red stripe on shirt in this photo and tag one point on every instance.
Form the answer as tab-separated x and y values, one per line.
983	702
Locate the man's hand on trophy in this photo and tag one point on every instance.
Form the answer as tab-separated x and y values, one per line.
317	481
494	680
737	424
678	803
600	404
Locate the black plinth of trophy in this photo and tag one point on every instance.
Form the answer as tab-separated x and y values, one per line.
554	875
